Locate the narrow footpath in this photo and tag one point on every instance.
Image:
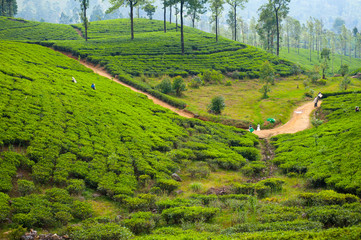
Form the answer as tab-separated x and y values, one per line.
300	119
102	72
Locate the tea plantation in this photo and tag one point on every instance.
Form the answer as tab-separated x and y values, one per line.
98	164
155	52
329	155
30	31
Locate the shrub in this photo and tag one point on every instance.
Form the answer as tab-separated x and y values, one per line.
322	82
165	86
17	233
178	86
212	76
199	170
228	83
25	187
140	203
196	186
327	197
140	222
103	231
334	216
82	210
343	70
300	225
75	186
236	75
168	185
249	153
196	82
4	206
267	73
274	183
189	214
217	105
345	82
58	195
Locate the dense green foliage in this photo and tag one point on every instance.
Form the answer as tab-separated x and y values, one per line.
22	30
327	155
153	52
106	138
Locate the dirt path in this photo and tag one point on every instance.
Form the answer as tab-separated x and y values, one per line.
300	121
101	71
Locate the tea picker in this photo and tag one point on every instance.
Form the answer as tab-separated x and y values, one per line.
93	86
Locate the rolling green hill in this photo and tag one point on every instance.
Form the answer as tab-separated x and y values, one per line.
30	31
303	59
328	155
97	164
156	52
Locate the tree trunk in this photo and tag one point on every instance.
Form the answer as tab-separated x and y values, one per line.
165	17
193	18
310	50
181	18
2	7
131	20
170	14
235	22
278	33
85	21
216	26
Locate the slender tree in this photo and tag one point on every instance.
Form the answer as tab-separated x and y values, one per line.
216	6
115	4
280	10
84	5
266	27
234	5
355	33
195	8
325	55
149	8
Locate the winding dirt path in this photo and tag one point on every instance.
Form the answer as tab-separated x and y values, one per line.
101	71
299	121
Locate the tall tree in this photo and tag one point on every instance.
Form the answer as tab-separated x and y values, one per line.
84	5
296	33
195	8
234	5
355	33
216	6
149	8
115	4
266	27
165	3
325	55
310	28
8	8
280	10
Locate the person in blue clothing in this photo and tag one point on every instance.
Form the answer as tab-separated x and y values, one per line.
93	86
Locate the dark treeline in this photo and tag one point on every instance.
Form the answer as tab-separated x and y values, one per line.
8	8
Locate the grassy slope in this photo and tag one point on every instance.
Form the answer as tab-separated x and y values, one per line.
328	155
154	51
23	30
104	133
303	59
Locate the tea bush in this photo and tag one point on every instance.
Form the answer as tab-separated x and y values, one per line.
188	214
300	225
326	154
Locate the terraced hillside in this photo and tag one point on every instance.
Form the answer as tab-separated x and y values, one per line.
156	52
97	164
30	31
328	156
